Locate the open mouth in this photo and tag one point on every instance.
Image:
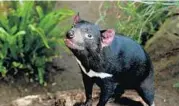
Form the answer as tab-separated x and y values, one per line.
69	43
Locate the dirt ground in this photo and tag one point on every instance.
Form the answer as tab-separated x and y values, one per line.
163	49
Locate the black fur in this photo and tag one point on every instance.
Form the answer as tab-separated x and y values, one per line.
126	60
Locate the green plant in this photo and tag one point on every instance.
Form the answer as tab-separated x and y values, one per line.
29	35
139	18
134	18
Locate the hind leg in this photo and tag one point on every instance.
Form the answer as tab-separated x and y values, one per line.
147	96
118	92
146	90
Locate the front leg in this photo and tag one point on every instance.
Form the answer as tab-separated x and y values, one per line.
88	85
107	90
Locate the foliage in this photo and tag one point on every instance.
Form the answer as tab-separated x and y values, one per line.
29	33
134	18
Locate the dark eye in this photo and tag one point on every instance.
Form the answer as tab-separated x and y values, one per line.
89	36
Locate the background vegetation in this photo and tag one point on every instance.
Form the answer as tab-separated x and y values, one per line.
30	31
139	20
29	36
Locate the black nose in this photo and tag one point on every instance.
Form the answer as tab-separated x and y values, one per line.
70	34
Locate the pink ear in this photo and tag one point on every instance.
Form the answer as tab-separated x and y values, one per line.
76	19
107	37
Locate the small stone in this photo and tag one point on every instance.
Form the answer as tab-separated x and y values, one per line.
53	84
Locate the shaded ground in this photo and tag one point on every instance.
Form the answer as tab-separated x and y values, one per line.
163	49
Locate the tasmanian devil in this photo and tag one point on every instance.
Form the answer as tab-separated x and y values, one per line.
113	61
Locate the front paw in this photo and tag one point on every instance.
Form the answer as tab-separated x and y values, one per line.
88	103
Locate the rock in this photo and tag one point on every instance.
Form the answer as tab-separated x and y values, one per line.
166	41
71	98
26	101
33	100
163	49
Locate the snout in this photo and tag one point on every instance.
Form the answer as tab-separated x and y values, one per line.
70	34
69	39
72	41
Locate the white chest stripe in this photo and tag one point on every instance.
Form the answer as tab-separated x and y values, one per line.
92	73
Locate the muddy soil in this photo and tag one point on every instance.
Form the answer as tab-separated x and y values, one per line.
65	74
